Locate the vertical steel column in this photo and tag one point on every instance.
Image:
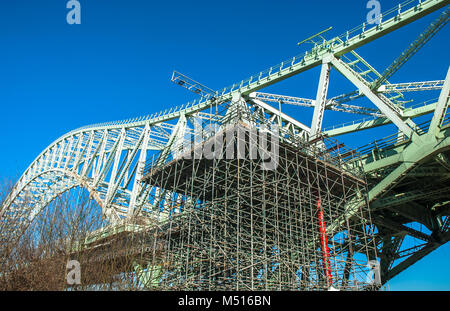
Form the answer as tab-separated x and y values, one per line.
100	160
117	155
441	107
69	153
321	98
61	153
139	172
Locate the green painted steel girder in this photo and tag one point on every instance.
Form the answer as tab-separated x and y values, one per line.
425	250
357	126
406	197
410	157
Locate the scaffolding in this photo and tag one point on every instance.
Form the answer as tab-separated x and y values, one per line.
230	222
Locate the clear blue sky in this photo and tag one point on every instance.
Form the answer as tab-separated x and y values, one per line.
55	77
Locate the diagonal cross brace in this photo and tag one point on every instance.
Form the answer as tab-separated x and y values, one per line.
391	111
139	172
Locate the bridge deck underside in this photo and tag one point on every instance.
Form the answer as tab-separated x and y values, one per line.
232	225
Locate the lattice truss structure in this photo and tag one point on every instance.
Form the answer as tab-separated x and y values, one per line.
408	169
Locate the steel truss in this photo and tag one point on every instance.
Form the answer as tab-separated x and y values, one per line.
109	159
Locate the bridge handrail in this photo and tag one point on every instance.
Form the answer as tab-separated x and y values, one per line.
394	140
273	70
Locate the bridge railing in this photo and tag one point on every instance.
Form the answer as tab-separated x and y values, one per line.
341	39
393	12
395	140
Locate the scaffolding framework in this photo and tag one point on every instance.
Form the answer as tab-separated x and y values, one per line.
229	223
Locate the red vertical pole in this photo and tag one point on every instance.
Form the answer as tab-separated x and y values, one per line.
324	243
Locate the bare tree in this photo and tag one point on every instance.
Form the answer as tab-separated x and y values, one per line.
71	227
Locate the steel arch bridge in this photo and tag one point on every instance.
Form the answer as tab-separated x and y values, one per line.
408	172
